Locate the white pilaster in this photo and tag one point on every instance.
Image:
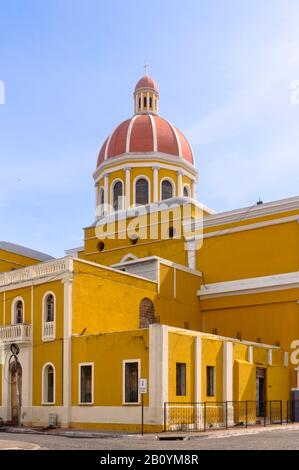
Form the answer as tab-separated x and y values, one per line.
158	371
270	357
197	370
106	189
128	187
156	183
191	251
67	345
250	354
286	359
180	183
227	371
193	189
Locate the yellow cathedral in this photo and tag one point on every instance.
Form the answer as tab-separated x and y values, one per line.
202	305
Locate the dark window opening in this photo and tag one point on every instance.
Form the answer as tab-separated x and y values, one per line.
167	191
117	195
49	308
210	381
180	379
144	102
142	192
86	384
131	382
101	246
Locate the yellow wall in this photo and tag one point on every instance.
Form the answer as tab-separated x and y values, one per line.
10	261
107	352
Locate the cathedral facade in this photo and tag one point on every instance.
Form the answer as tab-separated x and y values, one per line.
202	305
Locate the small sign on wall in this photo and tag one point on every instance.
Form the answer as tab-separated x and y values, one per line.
142	386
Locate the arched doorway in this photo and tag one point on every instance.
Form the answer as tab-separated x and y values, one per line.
14	373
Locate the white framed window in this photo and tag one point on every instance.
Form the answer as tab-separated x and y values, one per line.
48	384
86	383
49	316
131	375
167	188
117	194
17	311
141	190
211	389
186	191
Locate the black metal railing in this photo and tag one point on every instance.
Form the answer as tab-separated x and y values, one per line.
203	416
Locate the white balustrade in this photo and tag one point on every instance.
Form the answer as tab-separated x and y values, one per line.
20	333
48	330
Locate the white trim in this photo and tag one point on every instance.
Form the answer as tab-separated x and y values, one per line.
158	369
107	145
67	347
154	129
174	283
112	184
124	362
250	354
269	208
270	357
198	370
251	285
128	257
144	160
139	177
227	373
129	132
44	315
156	183
253	226
13	310
80	365
43	402
171	181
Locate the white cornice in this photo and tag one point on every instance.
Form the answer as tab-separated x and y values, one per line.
261	210
250	285
143	157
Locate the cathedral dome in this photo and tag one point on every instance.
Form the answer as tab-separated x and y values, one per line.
146	132
146	82
143	134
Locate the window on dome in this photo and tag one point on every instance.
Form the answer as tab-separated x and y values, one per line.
141	192
144	102
167	190
102	196
139	103
151	102
117	195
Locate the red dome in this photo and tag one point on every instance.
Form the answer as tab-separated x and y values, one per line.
146	133
147	82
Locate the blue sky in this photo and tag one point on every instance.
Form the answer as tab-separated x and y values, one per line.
224	71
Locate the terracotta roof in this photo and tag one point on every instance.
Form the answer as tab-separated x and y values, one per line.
147	82
146	133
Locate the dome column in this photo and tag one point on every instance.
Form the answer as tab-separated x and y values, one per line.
156	183
193	189
128	187
180	183
106	190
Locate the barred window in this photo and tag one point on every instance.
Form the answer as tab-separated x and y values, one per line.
141	192
180	379
131	382
86	383
117	195
167	190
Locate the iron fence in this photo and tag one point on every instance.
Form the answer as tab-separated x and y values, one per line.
204	416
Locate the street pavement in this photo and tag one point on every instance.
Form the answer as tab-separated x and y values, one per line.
257	439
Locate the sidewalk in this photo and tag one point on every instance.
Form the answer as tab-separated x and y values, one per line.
96	434
17	445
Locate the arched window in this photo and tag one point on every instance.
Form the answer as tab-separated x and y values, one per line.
48	384
19	312
102	196
49	308
186	191
117	195
146	313
167	190
141	192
